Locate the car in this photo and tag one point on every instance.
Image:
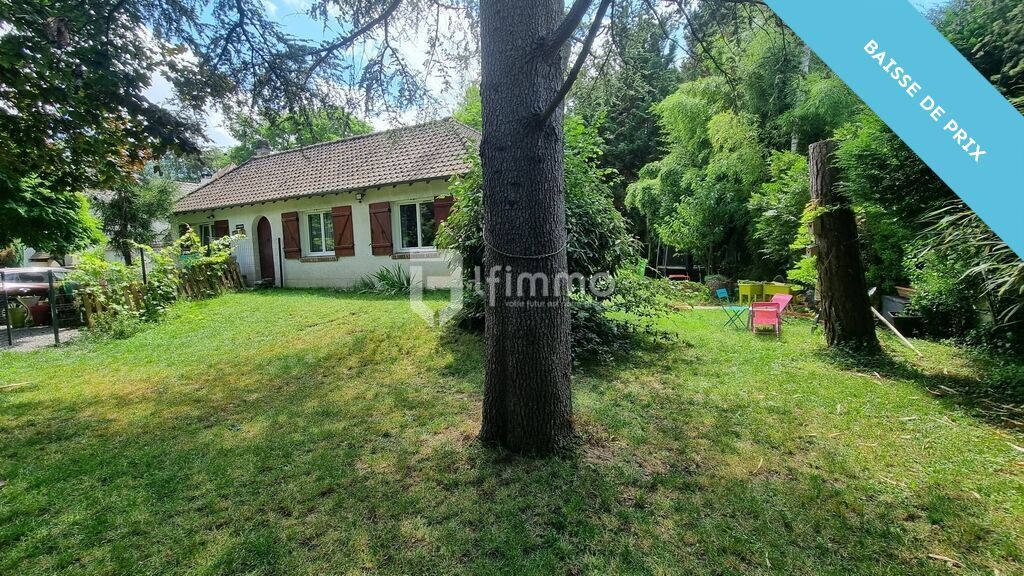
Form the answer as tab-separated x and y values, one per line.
29	288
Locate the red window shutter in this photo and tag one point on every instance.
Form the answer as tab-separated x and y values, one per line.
292	244
442	208
344	245
380	228
221	228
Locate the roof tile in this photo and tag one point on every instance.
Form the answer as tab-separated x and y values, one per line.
423	152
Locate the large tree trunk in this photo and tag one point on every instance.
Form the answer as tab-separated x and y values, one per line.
842	289
527	398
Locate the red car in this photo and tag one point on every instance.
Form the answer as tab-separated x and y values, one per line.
30	287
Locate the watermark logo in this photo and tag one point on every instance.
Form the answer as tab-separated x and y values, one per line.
494	285
434	273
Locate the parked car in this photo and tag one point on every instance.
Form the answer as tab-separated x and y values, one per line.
30	288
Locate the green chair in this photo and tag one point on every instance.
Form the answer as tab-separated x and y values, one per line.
749	292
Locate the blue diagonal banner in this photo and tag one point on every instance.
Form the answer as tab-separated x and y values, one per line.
929	94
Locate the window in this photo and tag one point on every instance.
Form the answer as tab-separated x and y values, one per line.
320	233
417	224
206	234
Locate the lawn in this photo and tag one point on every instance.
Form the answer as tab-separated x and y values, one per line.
308	432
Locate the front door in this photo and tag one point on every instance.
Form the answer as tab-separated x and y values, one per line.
265	240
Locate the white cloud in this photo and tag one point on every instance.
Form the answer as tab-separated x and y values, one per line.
270	7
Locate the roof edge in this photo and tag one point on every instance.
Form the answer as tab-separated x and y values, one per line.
202	185
313	194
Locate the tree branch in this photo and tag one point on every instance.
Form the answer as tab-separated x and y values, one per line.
704	46
578	65
325	52
566	27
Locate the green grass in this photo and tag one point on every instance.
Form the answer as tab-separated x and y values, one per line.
305	432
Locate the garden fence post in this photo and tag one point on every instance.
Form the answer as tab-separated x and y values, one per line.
142	262
54	315
6	310
280	260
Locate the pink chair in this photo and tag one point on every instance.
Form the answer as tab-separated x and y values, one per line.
766	314
783	301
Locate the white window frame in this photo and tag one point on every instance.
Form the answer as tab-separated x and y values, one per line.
307	237
397	225
206	240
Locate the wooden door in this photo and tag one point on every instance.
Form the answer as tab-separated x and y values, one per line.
265	241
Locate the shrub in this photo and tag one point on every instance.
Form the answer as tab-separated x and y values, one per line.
943	298
115	285
10	256
118	326
392	281
715	281
601	328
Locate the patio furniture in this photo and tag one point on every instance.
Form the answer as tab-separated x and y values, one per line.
772	288
783	301
766	314
733	312
749	292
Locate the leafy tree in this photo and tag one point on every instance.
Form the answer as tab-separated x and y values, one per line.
777	208
188	168
72	112
291	130
696	197
33	213
470	109
598	238
128	213
989	33
635	72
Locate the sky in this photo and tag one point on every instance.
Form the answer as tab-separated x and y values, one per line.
290	13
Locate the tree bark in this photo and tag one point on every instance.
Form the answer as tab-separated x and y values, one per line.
527	396
842	289
125	248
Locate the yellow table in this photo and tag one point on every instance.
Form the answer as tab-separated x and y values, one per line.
774	288
748	292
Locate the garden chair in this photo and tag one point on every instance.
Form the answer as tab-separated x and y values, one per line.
735	313
766	314
783	301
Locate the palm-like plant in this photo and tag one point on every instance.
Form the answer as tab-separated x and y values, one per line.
960	233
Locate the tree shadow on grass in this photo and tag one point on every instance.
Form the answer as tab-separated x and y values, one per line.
986	395
360	456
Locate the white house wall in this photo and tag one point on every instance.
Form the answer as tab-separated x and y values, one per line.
344	271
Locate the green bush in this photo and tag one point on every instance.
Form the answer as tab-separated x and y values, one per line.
118	326
111	283
392	281
602	328
714	282
943	298
10	255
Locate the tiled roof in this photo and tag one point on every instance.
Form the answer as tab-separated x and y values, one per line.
424	152
184	189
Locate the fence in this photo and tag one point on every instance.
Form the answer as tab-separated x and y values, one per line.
40	306
36	305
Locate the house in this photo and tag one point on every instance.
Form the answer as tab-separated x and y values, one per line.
329	214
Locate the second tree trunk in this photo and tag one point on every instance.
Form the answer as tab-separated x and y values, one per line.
842	290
